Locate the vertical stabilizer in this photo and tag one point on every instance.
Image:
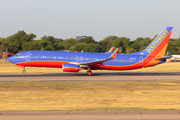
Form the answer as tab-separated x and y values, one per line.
158	46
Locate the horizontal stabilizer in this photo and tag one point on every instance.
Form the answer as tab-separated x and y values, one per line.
163	58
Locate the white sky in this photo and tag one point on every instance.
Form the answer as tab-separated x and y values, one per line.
98	18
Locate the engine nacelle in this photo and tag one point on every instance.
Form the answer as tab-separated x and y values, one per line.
68	67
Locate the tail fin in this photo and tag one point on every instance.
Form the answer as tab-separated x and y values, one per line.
158	46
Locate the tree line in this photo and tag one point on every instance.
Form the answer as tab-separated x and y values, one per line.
21	41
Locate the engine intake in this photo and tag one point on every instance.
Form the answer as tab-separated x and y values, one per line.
68	67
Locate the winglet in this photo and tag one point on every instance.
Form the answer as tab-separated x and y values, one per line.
113	55
111	50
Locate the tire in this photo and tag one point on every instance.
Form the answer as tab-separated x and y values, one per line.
23	70
89	73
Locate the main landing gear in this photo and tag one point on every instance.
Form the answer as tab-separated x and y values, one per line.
89	73
24	70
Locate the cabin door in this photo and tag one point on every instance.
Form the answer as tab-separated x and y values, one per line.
141	61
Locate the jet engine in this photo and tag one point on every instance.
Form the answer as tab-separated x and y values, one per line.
68	67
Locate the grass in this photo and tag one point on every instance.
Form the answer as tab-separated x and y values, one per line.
6	67
89	96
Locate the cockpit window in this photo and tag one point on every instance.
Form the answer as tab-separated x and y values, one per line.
17	55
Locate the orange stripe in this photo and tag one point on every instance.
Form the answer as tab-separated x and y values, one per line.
160	54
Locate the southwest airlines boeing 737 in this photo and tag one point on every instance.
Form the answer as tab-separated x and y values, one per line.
76	61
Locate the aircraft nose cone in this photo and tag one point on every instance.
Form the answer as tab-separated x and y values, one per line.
10	59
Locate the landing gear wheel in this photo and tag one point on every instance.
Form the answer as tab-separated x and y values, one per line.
23	70
89	73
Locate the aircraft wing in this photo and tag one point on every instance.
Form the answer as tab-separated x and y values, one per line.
113	55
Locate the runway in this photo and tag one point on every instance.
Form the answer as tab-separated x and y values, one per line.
82	77
92	115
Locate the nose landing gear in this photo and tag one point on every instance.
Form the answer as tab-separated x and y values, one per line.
24	70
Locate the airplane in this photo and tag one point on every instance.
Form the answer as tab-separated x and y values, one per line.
175	57
76	61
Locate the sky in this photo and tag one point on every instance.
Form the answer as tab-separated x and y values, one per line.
97	18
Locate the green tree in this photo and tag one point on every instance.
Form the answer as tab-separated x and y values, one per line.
32	45
72	48
122	42
87	40
66	44
49	47
46	40
173	46
2	47
106	43
14	42
91	47
80	46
